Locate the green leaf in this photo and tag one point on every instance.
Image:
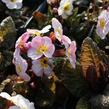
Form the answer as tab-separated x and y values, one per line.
71	78
6	61
83	103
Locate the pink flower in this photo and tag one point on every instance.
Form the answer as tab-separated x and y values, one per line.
42	66
103	24
58	31
66	41
21	42
70	52
41	46
20	65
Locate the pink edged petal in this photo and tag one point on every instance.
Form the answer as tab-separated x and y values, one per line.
46	41
73	62
27	45
24	76
48	71
50	51
16	53
22	39
56	23
37	41
100	33
73	46
71	54
14	107
66	41
60	11
37	69
33	54
21	66
106	29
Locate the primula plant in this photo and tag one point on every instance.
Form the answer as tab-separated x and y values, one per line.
54	54
41	50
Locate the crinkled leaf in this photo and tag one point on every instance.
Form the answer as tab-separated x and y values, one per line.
7	33
6	59
93	58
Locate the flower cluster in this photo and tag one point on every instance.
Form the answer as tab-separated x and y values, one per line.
19	101
40	49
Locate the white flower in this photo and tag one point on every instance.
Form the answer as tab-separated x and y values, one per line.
20	65
65	8
102	28
19	101
36	32
58	31
13	4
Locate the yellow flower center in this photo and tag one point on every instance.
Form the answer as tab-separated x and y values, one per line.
44	62
67	6
58	30
37	33
13	0
19	68
102	23
42	49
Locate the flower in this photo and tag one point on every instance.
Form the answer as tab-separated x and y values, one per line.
41	46
103	24
66	41
13	4
20	65
57	29
19	101
39	32
21	42
70	53
65	8
42	66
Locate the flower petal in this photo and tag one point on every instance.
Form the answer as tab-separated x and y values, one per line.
48	71
14	107
37	69
50	51
33	54
5	95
